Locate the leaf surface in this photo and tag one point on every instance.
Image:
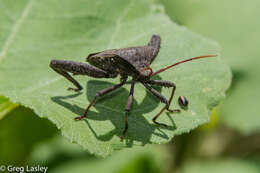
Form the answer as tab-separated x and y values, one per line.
6	106
236	28
45	30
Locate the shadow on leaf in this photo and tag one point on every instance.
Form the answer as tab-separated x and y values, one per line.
111	107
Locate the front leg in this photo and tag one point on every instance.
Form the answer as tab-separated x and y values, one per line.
63	67
161	97
166	84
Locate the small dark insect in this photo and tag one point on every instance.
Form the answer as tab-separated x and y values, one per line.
183	102
132	61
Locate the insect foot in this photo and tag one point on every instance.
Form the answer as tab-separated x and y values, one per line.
160	124
122	137
74	89
80	118
174	110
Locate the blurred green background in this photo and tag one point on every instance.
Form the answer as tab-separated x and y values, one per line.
229	143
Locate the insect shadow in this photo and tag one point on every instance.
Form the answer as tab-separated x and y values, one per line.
111	107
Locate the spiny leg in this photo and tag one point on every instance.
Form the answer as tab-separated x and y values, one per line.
101	93
161	97
127	108
63	67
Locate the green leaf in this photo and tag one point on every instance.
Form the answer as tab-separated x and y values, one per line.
236	28
20	131
47	30
221	165
6	106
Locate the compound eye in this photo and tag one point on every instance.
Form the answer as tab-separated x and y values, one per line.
183	102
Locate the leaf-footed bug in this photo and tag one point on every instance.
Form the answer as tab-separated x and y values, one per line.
132	61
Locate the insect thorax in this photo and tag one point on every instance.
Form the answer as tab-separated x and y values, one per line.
127	62
139	57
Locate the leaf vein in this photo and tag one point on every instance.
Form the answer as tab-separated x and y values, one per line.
15	29
118	24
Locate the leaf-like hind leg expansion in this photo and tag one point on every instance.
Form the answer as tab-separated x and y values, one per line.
161	97
63	67
101	93
128	108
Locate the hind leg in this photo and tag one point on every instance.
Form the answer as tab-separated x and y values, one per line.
63	67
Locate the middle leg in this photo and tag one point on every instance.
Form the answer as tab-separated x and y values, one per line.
161	97
101	93
166	84
127	108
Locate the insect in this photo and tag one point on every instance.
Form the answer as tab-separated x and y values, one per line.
134	62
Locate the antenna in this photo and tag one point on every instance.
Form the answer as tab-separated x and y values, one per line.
190	59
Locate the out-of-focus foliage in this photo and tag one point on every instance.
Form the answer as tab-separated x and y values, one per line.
46	29
20	130
61	156
6	106
57	152
235	25
222	165
137	160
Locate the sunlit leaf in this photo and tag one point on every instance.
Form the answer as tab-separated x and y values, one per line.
236	28
44	30
6	106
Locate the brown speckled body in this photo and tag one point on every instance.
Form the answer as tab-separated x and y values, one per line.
127	61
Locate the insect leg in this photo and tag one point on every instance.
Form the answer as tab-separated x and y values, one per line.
127	108
63	67
101	93
166	84
162	99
